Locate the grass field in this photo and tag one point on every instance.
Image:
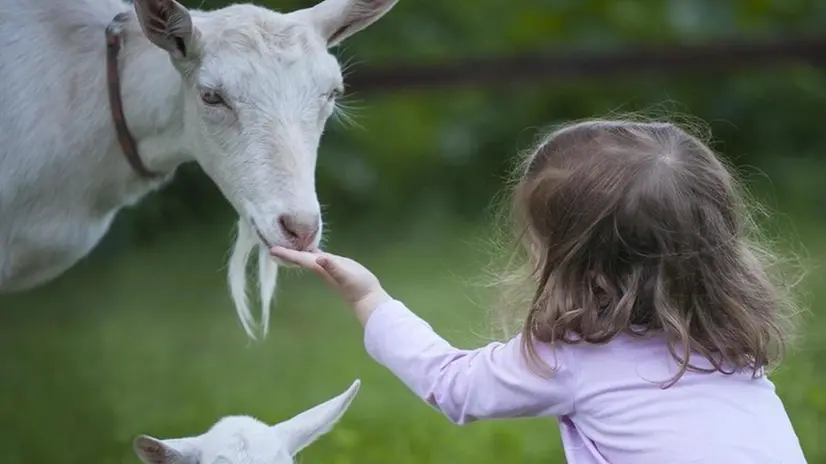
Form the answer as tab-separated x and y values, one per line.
146	341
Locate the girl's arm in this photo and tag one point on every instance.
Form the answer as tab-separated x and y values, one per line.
466	385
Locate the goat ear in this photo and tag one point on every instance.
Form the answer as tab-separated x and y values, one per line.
300	431
337	20
154	451
168	25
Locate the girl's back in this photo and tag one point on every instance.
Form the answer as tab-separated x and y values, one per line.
620	403
609	398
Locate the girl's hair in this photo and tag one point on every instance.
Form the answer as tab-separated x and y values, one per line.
638	228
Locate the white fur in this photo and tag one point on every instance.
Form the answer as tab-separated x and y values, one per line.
245	440
245	243
63	176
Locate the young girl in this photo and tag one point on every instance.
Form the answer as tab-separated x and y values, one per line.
652	318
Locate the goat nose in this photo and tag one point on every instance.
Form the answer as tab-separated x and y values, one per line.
300	229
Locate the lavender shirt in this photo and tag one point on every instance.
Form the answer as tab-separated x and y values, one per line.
608	399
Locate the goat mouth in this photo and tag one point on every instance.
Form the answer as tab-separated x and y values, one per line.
261	237
264	241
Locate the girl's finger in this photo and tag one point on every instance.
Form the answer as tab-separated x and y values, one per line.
332	268
328	279
302	259
305	260
321	272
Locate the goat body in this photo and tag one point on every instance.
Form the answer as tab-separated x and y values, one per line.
243	90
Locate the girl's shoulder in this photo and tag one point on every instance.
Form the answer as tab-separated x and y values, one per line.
649	356
624	351
622	344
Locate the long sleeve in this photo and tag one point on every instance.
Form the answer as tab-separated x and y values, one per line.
467	385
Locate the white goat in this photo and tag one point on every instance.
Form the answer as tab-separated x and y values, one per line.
244	91
245	440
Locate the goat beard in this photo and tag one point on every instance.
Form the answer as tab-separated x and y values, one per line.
246	243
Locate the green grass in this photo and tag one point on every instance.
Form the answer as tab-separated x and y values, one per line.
146	341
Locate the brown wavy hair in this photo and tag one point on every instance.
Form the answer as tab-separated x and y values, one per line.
639	228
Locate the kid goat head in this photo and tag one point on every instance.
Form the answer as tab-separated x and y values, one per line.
244	440
257	88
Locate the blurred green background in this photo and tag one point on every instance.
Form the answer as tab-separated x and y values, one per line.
142	338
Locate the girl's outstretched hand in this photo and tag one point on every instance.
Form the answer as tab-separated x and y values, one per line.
359	287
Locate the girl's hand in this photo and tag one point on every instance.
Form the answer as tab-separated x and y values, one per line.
352	281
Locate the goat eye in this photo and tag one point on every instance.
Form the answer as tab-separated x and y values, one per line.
212	98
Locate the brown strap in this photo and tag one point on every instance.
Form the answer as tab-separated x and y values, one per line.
114	38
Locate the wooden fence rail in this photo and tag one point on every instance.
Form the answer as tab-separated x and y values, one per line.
719	56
